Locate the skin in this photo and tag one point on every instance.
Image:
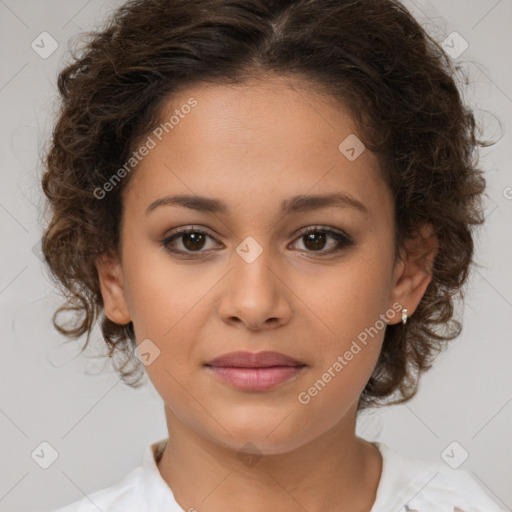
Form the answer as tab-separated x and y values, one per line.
292	299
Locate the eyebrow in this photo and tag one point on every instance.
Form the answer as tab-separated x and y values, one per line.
295	204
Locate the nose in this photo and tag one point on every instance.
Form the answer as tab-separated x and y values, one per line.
254	295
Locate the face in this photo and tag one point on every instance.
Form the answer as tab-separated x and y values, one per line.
293	252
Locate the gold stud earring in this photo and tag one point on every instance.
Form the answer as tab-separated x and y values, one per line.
404	315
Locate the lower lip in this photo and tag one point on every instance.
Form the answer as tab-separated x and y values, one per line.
256	379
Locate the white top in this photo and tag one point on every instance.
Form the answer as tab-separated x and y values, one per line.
406	484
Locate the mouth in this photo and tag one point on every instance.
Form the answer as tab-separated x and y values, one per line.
255	371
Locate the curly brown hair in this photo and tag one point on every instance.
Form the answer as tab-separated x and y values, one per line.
370	55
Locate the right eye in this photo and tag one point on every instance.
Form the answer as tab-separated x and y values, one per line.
192	239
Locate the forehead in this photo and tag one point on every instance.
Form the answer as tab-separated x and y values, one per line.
264	140
251	113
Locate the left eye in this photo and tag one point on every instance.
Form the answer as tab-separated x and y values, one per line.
313	238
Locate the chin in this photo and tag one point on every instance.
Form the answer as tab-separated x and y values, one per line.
260	433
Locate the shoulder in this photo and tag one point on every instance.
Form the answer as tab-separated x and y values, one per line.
415	485
125	495
141	490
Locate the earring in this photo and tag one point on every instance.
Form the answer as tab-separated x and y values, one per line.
404	315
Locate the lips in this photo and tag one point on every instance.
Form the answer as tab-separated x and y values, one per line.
255	372
253	360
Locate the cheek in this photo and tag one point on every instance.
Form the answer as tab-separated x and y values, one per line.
350	298
163	296
352	307
347	354
169	305
333	392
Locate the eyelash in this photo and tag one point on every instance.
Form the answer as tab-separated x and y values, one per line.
342	239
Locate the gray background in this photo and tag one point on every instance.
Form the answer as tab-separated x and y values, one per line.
98	427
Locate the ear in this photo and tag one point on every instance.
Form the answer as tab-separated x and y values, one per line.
110	276
413	270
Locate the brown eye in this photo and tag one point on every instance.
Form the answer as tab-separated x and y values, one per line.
192	240
315	239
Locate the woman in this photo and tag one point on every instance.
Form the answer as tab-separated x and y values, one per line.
269	204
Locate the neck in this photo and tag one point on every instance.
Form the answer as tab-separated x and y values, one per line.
336	471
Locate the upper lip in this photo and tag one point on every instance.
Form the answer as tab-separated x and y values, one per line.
254	360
